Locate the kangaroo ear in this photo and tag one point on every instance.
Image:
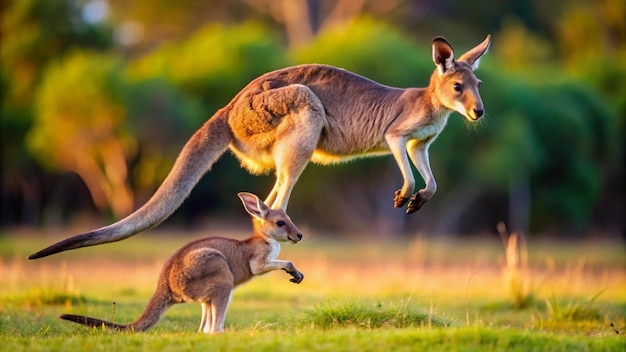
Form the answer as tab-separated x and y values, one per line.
253	205
443	55
472	57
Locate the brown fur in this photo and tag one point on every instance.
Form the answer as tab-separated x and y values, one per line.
284	119
207	270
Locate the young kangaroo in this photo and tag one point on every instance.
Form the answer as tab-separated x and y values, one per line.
207	270
284	119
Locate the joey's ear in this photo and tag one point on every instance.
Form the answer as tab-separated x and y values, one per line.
253	205
443	55
472	57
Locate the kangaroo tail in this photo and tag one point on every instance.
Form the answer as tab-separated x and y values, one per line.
94	322
159	303
198	155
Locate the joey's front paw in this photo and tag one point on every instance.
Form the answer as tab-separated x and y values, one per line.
297	277
399	200
416	202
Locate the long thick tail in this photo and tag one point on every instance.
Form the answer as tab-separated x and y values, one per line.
94	322
158	305
199	154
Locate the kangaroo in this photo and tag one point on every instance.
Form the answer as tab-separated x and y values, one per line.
287	118
207	270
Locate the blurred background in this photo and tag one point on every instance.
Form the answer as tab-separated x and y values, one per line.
98	98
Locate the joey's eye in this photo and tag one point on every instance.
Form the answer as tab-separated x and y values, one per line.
457	87
480	83
280	223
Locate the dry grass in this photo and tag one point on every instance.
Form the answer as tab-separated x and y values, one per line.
424	269
516	272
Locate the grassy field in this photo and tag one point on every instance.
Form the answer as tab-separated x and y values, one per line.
356	296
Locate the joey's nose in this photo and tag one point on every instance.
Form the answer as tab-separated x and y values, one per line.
299	236
479	112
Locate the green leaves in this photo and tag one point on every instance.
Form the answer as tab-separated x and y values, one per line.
78	127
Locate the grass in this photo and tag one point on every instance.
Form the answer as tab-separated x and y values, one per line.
516	273
356	296
572	310
369	315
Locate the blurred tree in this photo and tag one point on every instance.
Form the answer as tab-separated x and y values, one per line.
161	119
303	19
350	46
80	126
215	62
161	21
33	32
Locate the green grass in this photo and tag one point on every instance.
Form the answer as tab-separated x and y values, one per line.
341	339
356	296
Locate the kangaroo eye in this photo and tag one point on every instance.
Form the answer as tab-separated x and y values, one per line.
480	83
457	87
280	223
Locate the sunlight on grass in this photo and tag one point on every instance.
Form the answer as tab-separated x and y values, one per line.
370	315
585	309
39	297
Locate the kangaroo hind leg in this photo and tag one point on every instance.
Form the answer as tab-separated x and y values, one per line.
219	305
206	321
297	137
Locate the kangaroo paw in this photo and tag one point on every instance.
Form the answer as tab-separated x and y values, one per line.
398	200
297	277
415	203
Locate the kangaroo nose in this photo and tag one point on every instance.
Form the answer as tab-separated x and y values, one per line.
299	236
479	112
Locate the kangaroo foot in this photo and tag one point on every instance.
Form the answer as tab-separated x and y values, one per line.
297	277
415	203
398	200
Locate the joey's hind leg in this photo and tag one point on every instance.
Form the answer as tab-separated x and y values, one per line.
219	305
206	320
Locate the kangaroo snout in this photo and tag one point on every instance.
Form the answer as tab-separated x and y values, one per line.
478	113
297	238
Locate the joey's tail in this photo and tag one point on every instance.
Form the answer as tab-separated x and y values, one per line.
198	155
94	322
155	309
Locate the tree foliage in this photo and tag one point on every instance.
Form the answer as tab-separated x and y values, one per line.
215	62
80	126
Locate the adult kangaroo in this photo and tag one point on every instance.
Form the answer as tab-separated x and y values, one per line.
287	118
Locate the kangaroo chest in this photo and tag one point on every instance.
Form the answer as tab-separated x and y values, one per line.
429	131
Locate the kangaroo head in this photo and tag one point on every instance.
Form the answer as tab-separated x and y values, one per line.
455	84
270	223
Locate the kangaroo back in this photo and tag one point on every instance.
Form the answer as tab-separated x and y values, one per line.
198	155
